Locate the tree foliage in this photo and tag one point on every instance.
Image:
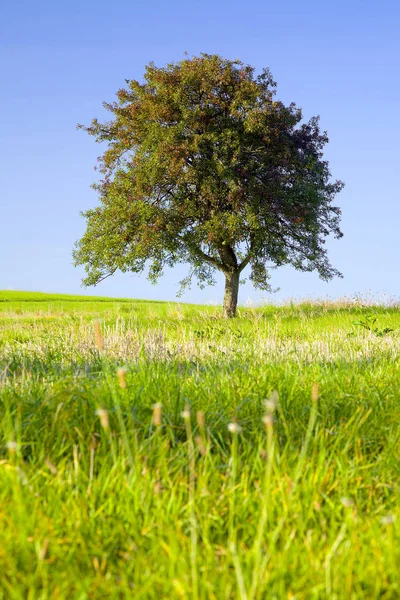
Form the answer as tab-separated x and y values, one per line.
204	166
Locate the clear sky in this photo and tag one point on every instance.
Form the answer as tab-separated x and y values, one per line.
60	60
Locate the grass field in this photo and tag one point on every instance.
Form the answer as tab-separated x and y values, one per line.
153	450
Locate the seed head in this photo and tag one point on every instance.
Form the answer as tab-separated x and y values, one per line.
98	336
186	413
12	446
270	404
157	411
200	419
315	392
102	413
158	487
200	445
122	378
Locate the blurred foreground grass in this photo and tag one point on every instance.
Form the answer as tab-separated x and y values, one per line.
211	466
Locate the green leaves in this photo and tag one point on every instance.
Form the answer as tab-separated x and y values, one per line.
369	323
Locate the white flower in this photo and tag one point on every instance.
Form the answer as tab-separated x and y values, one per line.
268	420
270	404
388	520
234	428
347	502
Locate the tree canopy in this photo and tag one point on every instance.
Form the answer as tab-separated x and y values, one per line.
204	166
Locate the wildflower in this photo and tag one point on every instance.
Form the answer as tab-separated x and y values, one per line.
347	502
268	420
186	413
388	520
270	404
234	428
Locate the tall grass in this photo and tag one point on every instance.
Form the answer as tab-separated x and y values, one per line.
172	454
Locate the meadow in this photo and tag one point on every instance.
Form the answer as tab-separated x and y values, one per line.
154	450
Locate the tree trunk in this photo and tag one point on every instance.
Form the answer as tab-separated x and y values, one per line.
231	293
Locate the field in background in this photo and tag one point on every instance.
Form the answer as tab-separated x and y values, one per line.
255	458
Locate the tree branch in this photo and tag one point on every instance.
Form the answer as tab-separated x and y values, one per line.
244	263
105	277
209	259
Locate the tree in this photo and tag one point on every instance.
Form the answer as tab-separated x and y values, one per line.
204	166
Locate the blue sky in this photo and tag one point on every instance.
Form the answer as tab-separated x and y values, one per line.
60	60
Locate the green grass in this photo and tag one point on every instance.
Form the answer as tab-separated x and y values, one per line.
15	296
98	501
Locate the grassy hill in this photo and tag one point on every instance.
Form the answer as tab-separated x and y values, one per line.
16	296
154	450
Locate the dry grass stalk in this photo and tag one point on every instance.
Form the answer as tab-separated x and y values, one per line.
200	445
52	468
102	413
122	378
99	341
315	392
200	420
157	414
